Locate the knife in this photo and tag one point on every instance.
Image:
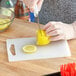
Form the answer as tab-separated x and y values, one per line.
36	11
39	24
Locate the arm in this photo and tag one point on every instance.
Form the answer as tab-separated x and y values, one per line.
74	27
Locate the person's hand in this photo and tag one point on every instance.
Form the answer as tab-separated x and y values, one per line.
32	4
59	31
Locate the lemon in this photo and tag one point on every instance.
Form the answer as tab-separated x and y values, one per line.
29	48
42	38
4	24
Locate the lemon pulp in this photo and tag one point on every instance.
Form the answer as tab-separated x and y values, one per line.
42	38
29	48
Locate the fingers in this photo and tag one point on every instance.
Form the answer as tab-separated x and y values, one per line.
37	3
56	38
31	4
54	32
47	26
56	35
50	29
50	24
53	29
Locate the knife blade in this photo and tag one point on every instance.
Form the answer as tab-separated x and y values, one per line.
39	24
36	12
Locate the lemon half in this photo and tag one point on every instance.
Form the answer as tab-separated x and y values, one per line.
42	38
29	49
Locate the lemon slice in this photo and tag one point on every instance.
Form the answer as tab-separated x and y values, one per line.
4	24
29	49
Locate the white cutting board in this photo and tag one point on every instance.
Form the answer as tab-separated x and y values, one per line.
53	50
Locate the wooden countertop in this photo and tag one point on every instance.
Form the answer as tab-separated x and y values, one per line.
20	29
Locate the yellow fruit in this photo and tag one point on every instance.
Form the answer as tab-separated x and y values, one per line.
4	24
29	48
42	38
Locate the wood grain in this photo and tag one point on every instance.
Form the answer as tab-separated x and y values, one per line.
20	29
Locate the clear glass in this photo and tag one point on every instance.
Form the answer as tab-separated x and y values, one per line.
6	18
